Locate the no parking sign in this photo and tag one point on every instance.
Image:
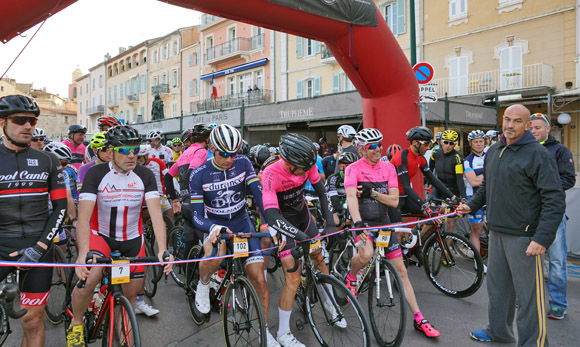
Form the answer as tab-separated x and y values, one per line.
424	72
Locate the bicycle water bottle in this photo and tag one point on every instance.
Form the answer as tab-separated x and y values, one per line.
98	298
221	275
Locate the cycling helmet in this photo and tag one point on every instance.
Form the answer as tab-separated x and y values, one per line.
262	155
253	151
420	133
392	150
107	121
346	131
492	133
450	135
77	129
317	146
90	154
38	133
347	158
176	141
226	138
245	149
59	149
200	132
438	135
98	141
122	135
213	125
475	134
144	150
298	150
12	104
154	134
273	150
368	136
322	140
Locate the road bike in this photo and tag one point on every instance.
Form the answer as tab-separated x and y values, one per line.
153	273
8	293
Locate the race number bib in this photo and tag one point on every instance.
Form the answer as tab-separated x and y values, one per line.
241	248
384	238
314	246
120	274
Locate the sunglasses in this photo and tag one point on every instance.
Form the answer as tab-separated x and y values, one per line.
23	120
543	117
227	155
178	145
449	142
37	139
373	146
126	150
425	142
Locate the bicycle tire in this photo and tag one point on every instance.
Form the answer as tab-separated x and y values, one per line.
57	297
177	247
340	266
356	333
460	273
274	262
152	272
4	325
242	316
72	247
123	331
192	279
389	324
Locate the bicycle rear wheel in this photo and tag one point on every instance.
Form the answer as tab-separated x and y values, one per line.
387	306
4	325
453	265
326	326
123	331
56	299
177	245
242	316
192	279
152	272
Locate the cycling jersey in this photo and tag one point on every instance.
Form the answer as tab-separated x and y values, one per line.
83	172
318	165
193	157
381	177
78	154
159	170
449	169
119	199
28	178
71	174
163	153
473	162
336	192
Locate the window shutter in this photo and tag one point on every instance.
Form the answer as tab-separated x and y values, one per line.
335	83
463	75
299	49
299	89
401	17
453	76
121	90
452	8
191	59
317	86
190	87
316	47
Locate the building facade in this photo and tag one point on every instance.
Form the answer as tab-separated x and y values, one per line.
190	70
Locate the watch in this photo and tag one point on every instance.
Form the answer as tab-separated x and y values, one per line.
376	194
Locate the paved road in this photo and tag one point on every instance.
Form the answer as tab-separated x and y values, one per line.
454	318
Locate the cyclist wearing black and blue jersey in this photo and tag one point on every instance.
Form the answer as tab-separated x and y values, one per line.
473	167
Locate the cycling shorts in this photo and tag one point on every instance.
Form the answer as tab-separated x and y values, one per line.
165	204
103	245
394	249
406	205
476	217
34	283
242	225
304	222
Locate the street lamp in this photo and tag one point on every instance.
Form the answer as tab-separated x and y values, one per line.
564	118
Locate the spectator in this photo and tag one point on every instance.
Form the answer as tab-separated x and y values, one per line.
345	134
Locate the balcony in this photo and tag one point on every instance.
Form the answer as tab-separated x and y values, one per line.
160	89
234	100
233	49
132	98
326	56
96	110
207	19
113	105
528	76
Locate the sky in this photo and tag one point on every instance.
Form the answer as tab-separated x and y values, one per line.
81	35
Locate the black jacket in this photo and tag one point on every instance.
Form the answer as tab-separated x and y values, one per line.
522	189
564	160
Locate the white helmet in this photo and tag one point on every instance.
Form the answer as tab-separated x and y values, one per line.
346	131
226	138
60	150
38	133
491	133
144	150
475	134
154	134
368	136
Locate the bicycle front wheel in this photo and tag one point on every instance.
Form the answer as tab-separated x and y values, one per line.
242	316
4	325
387	306
123	331
191	280
152	272
177	246
452	264
56	299
334	324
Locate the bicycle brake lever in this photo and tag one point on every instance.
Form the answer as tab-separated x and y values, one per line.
296	252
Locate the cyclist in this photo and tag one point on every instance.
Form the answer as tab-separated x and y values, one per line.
177	146
329	163
38	139
159	170
29	179
447	164
473	165
309	190
391	150
491	137
158	150
286	212
100	154
107	122
345	134
76	136
62	152
110	219
335	186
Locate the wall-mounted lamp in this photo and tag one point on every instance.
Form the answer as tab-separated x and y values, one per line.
564	118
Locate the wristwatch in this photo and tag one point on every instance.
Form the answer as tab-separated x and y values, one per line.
376	194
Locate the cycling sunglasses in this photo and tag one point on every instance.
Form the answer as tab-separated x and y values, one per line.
23	120
452	143
126	150
226	155
541	116
38	139
373	146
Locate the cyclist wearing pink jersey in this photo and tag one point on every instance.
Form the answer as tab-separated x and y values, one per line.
371	185
76	136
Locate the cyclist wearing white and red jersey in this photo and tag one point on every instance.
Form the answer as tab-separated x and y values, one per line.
159	170
371	185
110	219
76	136
287	212
158	150
29	178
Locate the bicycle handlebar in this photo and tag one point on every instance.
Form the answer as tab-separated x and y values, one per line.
9	292
225	236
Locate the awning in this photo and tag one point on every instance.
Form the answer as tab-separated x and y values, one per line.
235	69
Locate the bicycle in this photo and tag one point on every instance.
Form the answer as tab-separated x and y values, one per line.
153	273
321	309
113	320
8	293
451	262
176	246
242	316
53	308
386	303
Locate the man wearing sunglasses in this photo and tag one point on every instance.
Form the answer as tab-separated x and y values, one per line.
158	150
345	134
28	179
38	139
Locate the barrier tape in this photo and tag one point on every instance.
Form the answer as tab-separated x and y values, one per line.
395	225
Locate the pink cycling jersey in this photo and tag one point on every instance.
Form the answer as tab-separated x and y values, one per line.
193	155
78	154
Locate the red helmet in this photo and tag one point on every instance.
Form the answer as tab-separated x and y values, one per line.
109	121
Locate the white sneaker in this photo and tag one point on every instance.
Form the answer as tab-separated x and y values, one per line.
146	309
484	268
270	340
330	309
202	298
288	340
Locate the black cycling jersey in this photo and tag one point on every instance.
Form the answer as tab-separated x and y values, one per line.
336	193
448	167
28	178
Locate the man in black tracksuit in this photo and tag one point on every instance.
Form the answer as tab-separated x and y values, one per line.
526	205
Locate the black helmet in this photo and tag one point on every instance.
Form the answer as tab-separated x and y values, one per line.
347	158
77	129
245	149
322	140
420	133
186	134
392	150
200	132
262	155
12	104
298	150
122	135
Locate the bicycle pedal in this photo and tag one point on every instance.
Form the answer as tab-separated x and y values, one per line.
300	324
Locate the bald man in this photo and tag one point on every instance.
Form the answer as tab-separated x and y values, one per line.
525	205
